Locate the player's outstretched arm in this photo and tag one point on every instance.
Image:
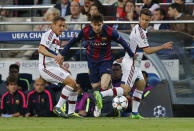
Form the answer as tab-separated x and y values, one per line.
116	37
42	49
150	50
71	42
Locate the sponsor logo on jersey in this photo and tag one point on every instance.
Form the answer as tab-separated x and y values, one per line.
98	44
17	102
42	100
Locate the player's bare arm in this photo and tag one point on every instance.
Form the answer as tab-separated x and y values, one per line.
150	50
45	52
59	59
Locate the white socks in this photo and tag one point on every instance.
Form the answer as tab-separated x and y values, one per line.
72	102
118	91
66	91
137	96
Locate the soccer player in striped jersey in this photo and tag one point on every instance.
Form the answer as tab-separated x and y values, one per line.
131	68
98	37
55	73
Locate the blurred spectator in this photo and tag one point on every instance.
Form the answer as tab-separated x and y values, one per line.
48	17
39	101
175	11
64	7
6	13
24	13
98	4
116	75
84	104
43	2
23	84
94	9
159	15
128	14
75	16
150	4
117	8
185	9
87	4
109	2
13	102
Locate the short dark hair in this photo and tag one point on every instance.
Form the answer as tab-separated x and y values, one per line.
146	74
97	18
162	12
58	18
146	11
15	66
11	79
116	64
176	6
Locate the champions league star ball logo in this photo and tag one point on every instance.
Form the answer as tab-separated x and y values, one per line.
159	111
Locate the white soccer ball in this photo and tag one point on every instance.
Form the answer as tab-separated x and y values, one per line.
159	111
120	103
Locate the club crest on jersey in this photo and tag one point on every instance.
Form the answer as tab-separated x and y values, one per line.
42	100
61	74
90	38
104	38
17	102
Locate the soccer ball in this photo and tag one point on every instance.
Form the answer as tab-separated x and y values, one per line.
120	103
159	111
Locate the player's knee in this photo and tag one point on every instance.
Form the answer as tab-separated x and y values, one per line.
126	90
141	85
70	82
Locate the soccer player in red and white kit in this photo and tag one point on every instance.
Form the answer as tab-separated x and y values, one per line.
131	68
55	73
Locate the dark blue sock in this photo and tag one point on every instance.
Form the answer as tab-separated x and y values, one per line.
135	113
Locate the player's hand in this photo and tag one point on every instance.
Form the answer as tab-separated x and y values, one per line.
135	56
168	45
119	60
65	69
59	59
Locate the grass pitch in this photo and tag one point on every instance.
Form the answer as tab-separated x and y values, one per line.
96	124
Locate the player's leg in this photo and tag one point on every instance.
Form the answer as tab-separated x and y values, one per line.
124	89
105	70
105	81
53	75
58	75
137	95
94	75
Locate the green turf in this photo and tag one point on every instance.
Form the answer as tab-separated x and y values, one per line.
96	124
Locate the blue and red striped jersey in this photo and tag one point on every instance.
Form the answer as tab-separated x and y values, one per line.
98	46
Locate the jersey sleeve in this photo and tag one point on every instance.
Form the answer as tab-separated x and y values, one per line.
29	105
71	42
142	39
3	106
46	40
116	37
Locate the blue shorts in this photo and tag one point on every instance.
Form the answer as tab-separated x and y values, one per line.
96	69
